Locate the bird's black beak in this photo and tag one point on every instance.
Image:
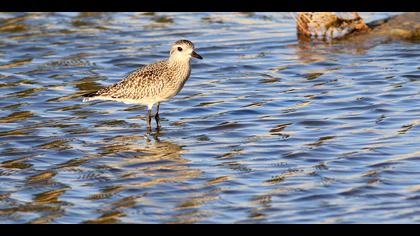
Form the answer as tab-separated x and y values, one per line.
194	54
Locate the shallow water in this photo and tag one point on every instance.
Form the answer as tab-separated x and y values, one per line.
267	129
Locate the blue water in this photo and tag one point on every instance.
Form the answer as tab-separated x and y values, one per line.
267	129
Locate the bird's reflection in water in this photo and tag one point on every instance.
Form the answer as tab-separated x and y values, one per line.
146	165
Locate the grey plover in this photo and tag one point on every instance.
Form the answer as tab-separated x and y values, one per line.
153	83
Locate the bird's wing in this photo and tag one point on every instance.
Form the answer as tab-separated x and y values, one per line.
138	84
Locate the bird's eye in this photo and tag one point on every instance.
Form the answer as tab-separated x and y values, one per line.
179	49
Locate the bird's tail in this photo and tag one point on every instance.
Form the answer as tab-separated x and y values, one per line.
89	96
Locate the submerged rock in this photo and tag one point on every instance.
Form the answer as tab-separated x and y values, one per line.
330	26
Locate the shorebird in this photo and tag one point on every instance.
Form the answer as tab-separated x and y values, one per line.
153	83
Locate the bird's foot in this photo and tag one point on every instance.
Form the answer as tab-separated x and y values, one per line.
148	130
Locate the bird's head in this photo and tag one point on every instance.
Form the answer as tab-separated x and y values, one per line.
183	50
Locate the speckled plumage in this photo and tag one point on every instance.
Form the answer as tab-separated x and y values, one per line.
152	83
149	84
146	84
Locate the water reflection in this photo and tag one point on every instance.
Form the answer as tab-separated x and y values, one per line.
267	129
144	162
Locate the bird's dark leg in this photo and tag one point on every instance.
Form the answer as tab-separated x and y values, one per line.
157	116
149	119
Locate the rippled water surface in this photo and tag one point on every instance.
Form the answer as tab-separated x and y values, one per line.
267	129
